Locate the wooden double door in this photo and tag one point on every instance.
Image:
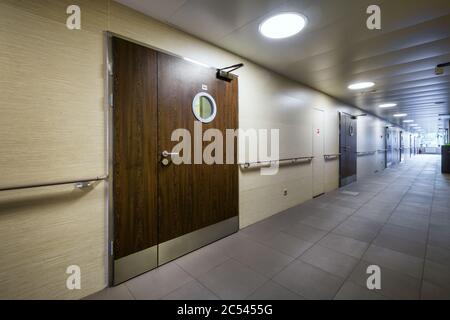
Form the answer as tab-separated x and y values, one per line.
161	209
347	147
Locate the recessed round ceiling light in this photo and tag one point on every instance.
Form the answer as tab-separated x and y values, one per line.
399	115
387	105
283	25
361	85
408	121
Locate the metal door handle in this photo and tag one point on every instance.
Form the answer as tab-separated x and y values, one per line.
166	154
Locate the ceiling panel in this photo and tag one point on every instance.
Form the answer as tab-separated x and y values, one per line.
335	48
159	9
215	19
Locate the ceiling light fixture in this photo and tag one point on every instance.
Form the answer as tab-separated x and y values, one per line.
413	125
408	121
387	105
361	85
283	25
400	115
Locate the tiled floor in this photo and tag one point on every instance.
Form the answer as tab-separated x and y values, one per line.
400	221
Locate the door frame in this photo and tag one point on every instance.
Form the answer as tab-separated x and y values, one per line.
205	233
109	157
386	147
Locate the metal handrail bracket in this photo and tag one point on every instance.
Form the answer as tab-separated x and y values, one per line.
331	156
366	153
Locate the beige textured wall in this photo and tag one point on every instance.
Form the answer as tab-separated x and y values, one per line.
52	128
45	230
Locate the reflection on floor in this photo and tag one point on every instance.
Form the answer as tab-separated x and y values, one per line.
399	220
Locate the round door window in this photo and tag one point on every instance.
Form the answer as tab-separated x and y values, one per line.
204	107
352	132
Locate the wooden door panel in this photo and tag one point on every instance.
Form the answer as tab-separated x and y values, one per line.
193	196
134	148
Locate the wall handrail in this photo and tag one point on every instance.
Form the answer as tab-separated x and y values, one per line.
79	184
366	153
331	156
297	160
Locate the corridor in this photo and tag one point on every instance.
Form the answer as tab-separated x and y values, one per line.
398	219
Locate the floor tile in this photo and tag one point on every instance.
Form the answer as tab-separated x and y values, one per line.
273	291
262	230
308	281
438	255
359	228
378	216
260	257
409	222
232	280
437	274
394	260
191	291
325	224
431	291
413	248
201	261
119	292
288	244
348	246
305	232
159	282
352	291
329	260
405	233
339	210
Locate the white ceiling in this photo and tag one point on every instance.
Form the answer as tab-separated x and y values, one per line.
335	48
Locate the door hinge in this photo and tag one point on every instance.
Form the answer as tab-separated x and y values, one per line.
111	248
111	100
110	68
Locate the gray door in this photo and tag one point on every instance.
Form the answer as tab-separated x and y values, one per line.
347	147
